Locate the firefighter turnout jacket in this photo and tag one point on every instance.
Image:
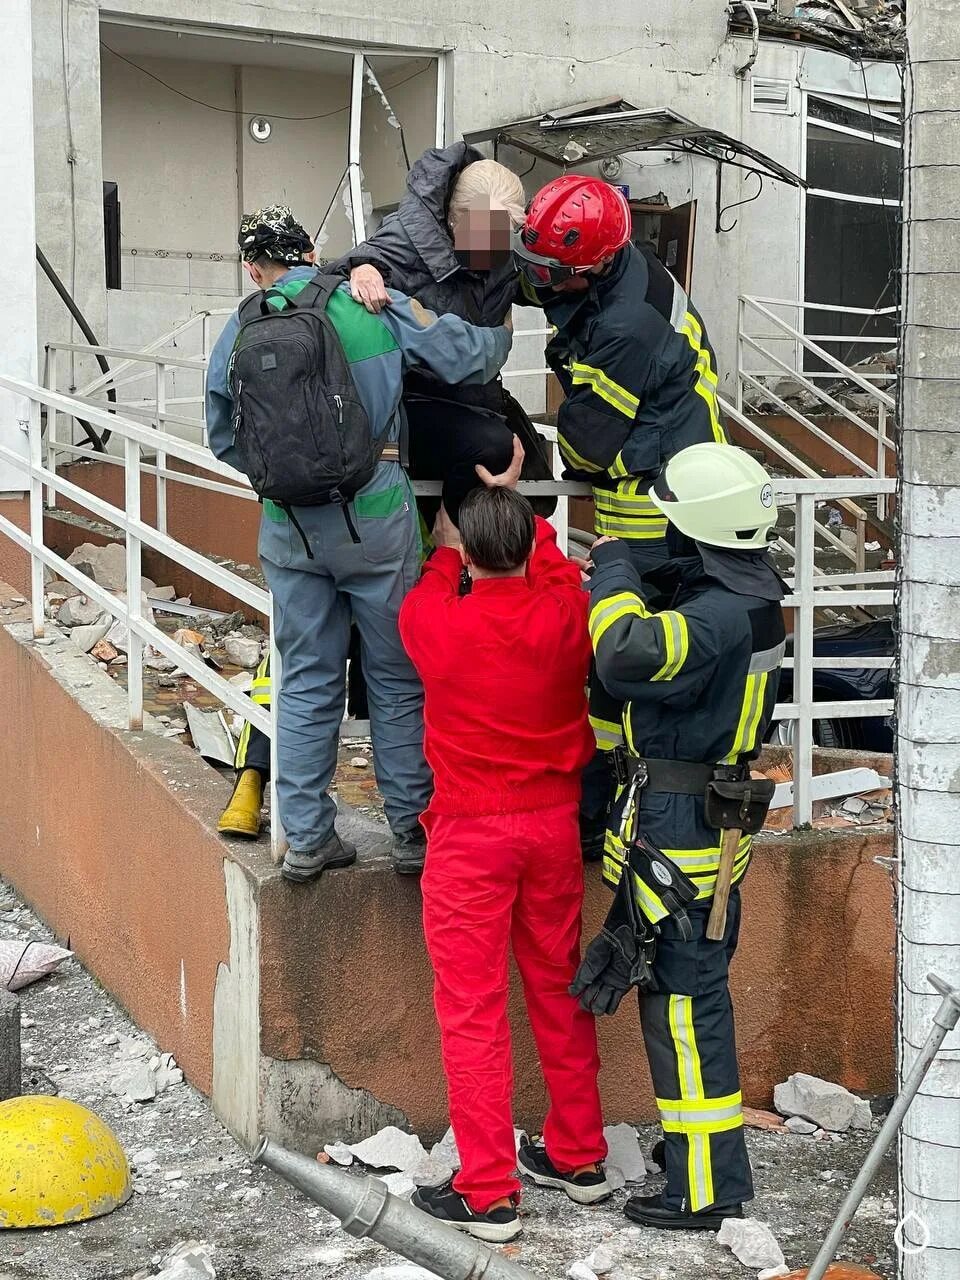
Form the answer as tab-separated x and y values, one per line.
695	661
640	380
693	649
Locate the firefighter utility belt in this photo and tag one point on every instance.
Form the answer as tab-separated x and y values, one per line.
732	799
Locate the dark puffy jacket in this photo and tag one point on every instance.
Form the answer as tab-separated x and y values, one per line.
413	250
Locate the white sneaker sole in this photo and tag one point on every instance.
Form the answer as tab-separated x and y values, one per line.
579	1195
489	1232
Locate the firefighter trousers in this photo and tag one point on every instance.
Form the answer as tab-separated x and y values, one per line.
490	881
688	1031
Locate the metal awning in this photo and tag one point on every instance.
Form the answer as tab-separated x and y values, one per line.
591	131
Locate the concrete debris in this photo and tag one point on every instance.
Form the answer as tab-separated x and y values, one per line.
580	1271
771	1273
242	651
243	681
339	1153
189	1261
141	1159
796	1124
60	590
107	565
398	1184
751	1242
78	611
10	1062
162	593
601	1261
104	651
445	1151
118	634
189	639
24	962
430	1172
149	1079
91	637
828	1105
391	1148
210	735
623	1152
359	762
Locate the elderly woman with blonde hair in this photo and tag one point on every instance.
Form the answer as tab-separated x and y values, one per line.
449	246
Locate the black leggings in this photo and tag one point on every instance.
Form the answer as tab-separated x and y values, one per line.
447	441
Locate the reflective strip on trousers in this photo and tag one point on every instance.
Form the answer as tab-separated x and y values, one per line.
689	1073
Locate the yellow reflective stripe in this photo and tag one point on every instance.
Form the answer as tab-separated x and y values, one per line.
243	743
575	459
618	467
602	385
626	501
699	1170
707	380
608	733
629	529
728	1103
608	611
677	639
649	903
703	1128
628	729
751	709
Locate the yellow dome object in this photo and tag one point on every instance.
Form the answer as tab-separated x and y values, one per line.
59	1163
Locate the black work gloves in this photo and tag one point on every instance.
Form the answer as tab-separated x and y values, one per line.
618	958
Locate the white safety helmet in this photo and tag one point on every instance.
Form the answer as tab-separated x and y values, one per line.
719	495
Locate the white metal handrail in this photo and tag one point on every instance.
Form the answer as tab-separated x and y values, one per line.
810	591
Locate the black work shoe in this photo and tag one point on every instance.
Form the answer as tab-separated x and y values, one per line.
650	1211
409	851
496	1226
583	1188
334	852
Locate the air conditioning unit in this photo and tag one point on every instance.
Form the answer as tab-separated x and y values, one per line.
772	96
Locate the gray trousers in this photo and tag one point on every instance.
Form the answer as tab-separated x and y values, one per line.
313	604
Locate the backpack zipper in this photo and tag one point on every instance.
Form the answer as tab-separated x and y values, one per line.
339	403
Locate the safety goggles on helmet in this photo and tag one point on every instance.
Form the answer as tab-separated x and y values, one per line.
543	273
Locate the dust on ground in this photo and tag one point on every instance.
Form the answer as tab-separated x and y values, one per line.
259	1228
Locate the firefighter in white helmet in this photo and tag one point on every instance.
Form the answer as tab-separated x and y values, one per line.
693	649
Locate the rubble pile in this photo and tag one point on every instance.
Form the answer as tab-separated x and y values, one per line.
856	28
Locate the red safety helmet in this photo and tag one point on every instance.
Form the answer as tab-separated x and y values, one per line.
573	223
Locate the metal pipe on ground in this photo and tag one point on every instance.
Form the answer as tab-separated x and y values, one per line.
367	1209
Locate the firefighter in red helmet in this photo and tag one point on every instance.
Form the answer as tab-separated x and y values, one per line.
639	376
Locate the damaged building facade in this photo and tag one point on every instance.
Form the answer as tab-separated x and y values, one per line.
158	122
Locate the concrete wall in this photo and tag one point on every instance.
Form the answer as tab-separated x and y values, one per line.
307	1011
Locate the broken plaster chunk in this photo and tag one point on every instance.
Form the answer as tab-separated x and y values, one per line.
623	1152
601	1261
144	1157
771	1273
430	1172
580	1271
107	565
446	1150
141	1086
243	651
359	762
751	1242
796	1124
89	638
398	1184
391	1148
162	593
339	1153
188	1261
78	611
827	1105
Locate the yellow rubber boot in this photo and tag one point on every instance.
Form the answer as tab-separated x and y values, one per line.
241	817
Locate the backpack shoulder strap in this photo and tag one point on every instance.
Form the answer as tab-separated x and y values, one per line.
249	306
319	291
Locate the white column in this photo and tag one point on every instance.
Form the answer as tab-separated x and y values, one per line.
18	315
928	701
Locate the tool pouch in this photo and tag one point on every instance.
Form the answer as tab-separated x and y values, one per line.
663	880
742	804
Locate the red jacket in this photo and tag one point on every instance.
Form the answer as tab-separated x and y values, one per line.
504	671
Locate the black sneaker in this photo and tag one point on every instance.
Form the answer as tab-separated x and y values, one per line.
496	1226
409	851
583	1188
334	852
650	1211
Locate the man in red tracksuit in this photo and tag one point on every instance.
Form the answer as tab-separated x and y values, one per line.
504	668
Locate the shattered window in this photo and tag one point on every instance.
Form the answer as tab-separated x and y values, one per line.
855	165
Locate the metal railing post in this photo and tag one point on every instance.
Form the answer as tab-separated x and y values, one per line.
205	356
160	482
35	445
51	370
882	458
277	835
861	560
741	312
131	457
803	659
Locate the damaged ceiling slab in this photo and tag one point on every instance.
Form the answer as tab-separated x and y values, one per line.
858	29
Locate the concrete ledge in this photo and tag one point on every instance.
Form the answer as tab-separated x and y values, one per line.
307	1010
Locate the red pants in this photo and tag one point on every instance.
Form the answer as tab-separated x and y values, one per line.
489	881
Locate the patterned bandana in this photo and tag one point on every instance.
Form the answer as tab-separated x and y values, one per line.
274	233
